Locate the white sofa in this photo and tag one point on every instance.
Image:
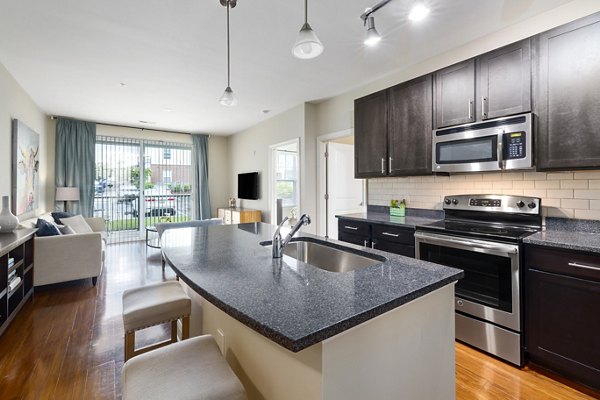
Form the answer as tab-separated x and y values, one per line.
69	257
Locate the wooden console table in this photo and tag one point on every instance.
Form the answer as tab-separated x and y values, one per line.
17	246
239	215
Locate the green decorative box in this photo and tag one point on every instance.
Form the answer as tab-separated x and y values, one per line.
397	211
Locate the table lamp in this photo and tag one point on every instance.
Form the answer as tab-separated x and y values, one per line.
67	194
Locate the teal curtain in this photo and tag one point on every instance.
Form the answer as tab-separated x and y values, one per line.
76	162
201	198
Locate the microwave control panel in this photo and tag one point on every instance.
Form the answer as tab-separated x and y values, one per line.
514	145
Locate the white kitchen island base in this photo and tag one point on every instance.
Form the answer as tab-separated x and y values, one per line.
404	354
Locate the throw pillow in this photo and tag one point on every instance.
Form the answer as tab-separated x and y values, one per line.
46	228
66	230
77	223
57	215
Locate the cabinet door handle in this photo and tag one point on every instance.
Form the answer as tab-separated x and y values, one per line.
352	228
470	109
366	242
373	245
390	234
577	265
390	164
483	106
383	165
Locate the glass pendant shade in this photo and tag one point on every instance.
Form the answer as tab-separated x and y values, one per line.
372	35
308	44
228	99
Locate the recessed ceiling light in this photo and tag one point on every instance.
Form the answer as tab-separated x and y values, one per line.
266	111
122	84
418	12
167	110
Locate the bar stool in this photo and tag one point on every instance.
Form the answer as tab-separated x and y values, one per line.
191	369
151	305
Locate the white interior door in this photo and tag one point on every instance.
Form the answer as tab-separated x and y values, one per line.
346	194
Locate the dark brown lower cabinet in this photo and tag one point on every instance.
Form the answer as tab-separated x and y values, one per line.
393	239
563	313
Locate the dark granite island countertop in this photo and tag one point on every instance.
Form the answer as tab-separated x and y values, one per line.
292	303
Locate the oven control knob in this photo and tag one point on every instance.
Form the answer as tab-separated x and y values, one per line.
454	201
447	201
520	204
531	205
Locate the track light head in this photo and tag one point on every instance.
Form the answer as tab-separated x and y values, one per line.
372	36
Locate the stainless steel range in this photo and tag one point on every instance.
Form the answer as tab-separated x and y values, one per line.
482	235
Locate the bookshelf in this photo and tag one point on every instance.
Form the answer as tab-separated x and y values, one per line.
16	273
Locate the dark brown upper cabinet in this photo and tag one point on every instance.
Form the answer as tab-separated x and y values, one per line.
455	94
370	135
393	130
504	81
410	125
567	96
495	84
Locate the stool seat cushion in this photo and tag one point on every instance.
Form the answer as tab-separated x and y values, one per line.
193	369
153	304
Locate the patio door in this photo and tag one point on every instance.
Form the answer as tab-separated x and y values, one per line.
139	183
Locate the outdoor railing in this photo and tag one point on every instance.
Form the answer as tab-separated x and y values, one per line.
123	213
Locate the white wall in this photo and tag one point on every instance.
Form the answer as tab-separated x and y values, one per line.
15	103
218	160
249	151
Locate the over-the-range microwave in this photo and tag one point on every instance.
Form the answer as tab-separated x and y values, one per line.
493	145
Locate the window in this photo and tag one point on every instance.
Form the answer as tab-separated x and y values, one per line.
286	182
167	176
166	154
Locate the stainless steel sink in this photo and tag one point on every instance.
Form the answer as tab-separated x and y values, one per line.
329	258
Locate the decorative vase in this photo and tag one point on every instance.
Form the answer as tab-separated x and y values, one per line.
8	222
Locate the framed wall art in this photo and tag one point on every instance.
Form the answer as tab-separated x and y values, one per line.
25	170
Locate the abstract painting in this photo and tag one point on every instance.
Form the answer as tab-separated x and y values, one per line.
25	170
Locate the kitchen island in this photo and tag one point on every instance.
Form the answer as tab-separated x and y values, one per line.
293	331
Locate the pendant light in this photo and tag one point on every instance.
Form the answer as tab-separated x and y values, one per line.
307	44
228	98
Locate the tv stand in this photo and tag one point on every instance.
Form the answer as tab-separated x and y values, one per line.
239	215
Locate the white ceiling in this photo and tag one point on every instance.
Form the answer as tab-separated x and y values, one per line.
71	56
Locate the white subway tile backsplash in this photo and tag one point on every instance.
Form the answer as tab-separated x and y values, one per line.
547	184
559	175
559	193
587	175
574	184
564	194
579	204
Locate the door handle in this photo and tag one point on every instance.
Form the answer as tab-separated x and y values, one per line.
352	228
483	107
577	265
390	164
390	234
366	243
470	109
373	245
500	151
383	165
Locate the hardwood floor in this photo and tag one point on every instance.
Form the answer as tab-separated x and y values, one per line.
67	343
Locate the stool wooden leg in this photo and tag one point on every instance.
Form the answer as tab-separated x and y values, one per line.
129	345
174	331
185	327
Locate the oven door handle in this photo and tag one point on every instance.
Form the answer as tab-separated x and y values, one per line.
466	244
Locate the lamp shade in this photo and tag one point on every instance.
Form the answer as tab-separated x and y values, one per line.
67	194
307	44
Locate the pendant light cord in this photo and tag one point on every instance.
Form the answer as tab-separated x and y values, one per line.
228	62
306	11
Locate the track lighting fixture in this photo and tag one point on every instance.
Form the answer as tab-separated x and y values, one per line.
418	12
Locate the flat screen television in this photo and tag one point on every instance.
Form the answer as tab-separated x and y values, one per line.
248	186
